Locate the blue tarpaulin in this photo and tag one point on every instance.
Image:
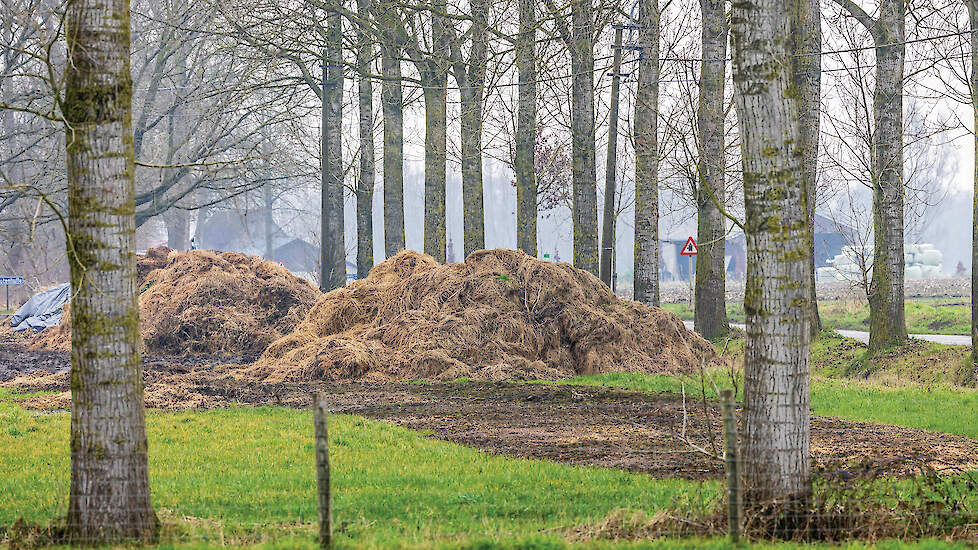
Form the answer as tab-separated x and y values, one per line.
43	310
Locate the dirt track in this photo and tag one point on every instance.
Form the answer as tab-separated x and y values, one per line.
630	430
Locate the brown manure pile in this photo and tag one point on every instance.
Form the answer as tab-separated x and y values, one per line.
501	314
208	302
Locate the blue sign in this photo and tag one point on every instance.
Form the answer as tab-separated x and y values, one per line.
11	280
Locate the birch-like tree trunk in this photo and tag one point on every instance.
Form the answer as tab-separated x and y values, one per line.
583	170
526	131
109	496
647	157
471	79
365	181
333	274
392	99
776	406
806	31
887	321
710	313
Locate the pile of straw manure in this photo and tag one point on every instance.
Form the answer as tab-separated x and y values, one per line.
500	314
206	302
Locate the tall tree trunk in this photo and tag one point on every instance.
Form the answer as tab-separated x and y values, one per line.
973	18
393	107
435	81
333	274
806	31
177	228
471	91
583	171
776	407
269	220
435	144
611	169
710	313
109	496
526	131
365	182
647	157
887	323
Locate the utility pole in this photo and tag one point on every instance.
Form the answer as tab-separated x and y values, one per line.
608	230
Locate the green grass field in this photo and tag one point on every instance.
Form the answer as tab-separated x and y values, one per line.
244	476
924	315
247	473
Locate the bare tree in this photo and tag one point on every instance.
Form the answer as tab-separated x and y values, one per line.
470	75
806	32
365	180
887	321
109	495
579	39
392	99
647	157
776	406
710	311
526	130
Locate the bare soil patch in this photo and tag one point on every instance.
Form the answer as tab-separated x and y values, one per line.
630	430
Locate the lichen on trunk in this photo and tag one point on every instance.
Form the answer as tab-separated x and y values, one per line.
109	496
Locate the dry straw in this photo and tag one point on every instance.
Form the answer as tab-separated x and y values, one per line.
207	302
500	314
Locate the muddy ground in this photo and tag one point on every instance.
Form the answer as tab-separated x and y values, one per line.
634	431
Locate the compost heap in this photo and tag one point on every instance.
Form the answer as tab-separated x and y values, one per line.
207	302
501	314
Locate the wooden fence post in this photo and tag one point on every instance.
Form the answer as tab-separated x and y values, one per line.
731	458
322	469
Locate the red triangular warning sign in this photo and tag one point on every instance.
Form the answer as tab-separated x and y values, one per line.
689	249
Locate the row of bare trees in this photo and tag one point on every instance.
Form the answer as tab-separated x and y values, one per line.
274	49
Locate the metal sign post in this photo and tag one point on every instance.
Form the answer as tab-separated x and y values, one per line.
689	250
7	282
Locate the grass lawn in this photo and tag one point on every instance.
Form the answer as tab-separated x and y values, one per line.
913	386
924	315
246	474
243	476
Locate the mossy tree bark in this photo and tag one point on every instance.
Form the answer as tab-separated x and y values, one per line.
806	31
433	68
109	497
583	169
887	321
366	179
392	100
579	39
710	313
333	269
526	131
776	406
647	157
471	77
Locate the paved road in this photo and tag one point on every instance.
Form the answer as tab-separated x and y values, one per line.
946	339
